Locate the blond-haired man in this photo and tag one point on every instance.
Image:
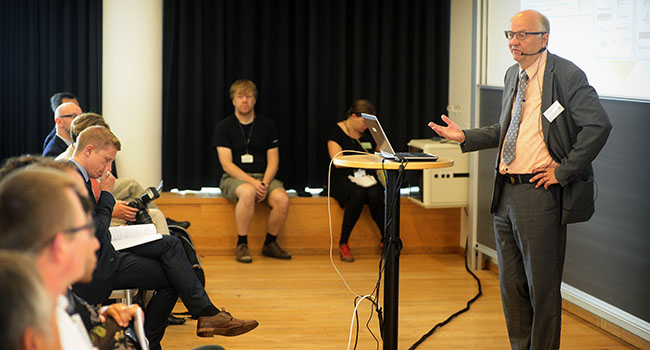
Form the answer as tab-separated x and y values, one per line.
247	146
160	265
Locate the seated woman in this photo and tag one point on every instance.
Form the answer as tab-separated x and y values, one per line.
352	188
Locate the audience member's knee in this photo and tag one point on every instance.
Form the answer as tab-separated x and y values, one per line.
279	199
246	193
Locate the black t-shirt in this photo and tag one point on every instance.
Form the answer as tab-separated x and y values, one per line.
337	135
261	135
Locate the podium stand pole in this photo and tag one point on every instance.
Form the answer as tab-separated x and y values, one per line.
392	241
393	244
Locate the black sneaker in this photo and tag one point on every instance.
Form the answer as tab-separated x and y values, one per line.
273	250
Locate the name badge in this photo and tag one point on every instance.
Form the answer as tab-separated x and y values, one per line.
359	173
553	111
246	158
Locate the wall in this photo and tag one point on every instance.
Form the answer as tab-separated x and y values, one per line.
132	85
460	77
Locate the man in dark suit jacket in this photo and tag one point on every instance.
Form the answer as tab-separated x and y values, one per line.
544	177
56	100
63	118
160	265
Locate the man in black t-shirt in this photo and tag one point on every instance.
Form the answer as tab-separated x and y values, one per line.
247	147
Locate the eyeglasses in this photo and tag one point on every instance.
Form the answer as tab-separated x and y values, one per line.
68	116
90	225
521	36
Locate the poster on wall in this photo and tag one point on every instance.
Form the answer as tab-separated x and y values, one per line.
608	39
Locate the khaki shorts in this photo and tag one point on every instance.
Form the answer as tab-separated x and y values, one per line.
229	186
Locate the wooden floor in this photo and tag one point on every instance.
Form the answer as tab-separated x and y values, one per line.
303	304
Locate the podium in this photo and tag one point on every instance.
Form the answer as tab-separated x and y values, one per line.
392	241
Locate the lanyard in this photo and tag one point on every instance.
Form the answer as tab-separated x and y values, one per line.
250	132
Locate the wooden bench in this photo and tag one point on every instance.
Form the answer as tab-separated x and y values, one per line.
306	230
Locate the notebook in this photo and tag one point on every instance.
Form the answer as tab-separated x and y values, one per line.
386	149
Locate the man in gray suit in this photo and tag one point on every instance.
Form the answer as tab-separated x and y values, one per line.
551	128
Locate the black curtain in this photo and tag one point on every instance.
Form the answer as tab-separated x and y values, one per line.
45	47
310	60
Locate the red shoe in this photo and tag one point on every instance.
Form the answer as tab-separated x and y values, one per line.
345	254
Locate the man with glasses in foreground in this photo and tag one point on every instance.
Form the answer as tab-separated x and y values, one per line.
42	213
551	128
63	118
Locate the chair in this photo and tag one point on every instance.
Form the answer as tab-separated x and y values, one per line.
124	296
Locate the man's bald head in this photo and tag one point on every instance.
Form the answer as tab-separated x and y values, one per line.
67	110
63	116
543	25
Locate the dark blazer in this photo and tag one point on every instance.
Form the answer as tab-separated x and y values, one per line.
55	147
49	137
573	139
107	258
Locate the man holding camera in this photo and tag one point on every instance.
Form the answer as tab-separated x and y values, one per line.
160	265
126	191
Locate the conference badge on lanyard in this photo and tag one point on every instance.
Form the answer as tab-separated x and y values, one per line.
246	158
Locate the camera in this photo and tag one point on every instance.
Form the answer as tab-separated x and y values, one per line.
142	217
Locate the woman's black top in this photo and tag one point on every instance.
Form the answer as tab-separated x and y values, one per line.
339	183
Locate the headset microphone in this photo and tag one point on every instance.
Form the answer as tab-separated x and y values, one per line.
536	53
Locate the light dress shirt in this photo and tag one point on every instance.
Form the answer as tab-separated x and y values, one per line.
72	332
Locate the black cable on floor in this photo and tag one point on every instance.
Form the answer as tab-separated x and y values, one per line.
470	302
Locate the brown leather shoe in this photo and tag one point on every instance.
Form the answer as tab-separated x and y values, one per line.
223	324
273	250
242	254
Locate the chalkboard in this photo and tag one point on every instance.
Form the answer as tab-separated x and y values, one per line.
608	257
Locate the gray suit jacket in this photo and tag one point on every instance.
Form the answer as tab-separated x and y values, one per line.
573	139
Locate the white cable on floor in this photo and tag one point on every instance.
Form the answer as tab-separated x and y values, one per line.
354	313
329	213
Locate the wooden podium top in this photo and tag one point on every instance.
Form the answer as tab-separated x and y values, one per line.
371	161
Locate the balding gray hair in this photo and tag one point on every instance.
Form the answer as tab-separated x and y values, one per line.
24	302
546	25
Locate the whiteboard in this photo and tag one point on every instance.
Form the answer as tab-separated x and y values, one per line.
608	39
